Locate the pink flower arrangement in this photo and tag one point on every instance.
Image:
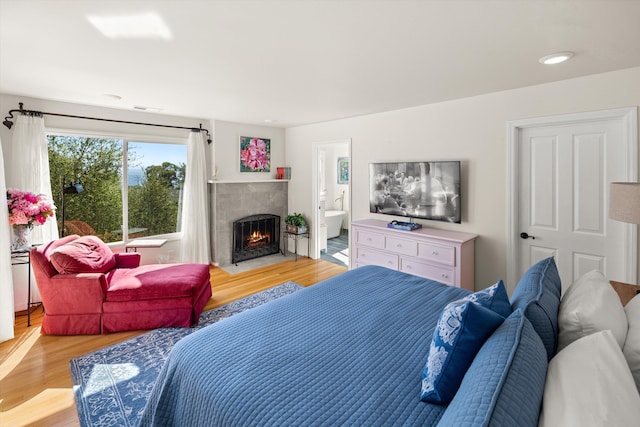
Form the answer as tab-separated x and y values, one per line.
255	154
28	208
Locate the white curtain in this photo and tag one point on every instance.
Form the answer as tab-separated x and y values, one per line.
195	209
30	168
6	280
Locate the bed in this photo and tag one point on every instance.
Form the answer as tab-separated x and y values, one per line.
347	351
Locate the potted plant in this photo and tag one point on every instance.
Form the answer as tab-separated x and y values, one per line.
296	223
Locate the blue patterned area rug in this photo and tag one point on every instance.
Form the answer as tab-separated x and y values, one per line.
113	385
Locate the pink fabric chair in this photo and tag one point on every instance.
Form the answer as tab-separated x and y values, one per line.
87	289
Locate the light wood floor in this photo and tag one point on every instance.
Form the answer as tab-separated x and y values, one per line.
35	383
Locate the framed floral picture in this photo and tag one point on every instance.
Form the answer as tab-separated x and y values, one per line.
343	170
255	154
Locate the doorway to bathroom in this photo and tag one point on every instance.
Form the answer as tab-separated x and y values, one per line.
332	197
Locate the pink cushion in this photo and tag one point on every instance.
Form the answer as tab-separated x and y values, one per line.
88	254
156	281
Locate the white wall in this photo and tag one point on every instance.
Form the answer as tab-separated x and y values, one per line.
227	151
472	130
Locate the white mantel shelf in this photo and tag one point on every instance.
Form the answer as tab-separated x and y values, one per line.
253	181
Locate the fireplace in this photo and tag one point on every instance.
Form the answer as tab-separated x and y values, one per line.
255	236
233	200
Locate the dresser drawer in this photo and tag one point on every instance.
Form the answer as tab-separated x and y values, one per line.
437	253
441	255
440	274
401	246
374	240
368	256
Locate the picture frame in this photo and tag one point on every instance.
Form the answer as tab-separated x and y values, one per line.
254	154
343	170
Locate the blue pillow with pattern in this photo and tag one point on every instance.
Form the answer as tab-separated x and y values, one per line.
494	298
462	329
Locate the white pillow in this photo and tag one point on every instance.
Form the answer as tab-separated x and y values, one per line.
631	348
590	305
589	384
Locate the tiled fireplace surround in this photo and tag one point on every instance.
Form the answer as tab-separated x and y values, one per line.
234	200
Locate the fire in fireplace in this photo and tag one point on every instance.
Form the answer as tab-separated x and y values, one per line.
255	236
258	239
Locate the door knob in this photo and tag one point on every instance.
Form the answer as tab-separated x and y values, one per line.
526	236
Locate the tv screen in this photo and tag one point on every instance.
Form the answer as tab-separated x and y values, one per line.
426	190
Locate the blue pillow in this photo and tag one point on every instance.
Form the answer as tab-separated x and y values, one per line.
504	384
538	296
494	298
462	329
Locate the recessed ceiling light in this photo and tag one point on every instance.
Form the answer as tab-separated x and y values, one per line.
112	96
152	109
142	26
270	121
555	58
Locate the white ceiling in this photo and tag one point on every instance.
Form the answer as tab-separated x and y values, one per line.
302	62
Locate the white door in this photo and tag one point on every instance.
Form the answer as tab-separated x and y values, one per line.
561	183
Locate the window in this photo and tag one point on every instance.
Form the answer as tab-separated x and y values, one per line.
130	188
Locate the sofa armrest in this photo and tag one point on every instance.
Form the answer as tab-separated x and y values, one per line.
80	293
127	260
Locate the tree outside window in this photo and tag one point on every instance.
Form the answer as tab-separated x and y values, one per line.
154	177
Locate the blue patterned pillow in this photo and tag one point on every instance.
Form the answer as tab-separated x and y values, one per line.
462	329
494	298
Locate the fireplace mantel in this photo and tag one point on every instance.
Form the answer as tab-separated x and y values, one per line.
231	200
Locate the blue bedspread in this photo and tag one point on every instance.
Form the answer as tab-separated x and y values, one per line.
347	351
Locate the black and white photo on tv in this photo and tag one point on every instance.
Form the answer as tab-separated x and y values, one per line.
426	190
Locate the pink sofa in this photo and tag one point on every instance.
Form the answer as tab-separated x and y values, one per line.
87	289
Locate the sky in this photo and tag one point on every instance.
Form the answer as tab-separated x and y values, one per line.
148	154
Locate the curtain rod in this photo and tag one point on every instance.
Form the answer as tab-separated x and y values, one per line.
21	110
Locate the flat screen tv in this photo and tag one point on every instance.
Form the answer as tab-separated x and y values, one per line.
425	190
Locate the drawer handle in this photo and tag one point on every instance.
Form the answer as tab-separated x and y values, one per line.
390	262
434	253
399	245
408	267
444	276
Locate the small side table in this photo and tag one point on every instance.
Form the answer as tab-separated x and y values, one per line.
296	236
22	257
144	243
626	291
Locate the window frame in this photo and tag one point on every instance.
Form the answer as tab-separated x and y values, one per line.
126	138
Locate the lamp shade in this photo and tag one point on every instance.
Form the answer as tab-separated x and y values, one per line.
624	202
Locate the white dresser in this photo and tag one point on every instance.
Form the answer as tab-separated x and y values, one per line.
441	255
